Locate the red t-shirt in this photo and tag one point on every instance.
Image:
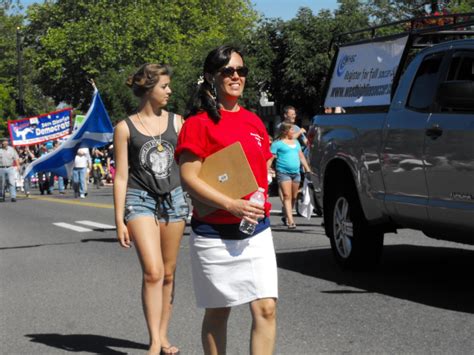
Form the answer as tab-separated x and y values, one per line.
201	136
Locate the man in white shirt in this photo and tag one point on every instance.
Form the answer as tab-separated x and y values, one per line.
82	162
9	163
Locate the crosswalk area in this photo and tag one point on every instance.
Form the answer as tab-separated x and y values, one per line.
94	226
91	226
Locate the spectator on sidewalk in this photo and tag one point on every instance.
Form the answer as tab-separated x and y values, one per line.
9	163
82	162
26	156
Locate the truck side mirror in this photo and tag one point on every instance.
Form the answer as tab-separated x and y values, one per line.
456	95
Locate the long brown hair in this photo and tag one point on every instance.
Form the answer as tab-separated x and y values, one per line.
283	130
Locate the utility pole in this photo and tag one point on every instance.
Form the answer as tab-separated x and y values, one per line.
19	52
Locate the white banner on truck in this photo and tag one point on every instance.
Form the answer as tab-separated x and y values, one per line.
364	74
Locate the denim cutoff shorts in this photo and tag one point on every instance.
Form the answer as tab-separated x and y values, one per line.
281	177
140	203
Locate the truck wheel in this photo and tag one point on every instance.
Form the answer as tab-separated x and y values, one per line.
354	243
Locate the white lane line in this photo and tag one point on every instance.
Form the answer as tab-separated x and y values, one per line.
96	225
73	227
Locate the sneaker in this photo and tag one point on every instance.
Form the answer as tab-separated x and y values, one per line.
13	199
82	196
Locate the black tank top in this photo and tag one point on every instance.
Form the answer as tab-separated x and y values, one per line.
149	169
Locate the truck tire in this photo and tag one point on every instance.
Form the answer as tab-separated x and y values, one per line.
354	243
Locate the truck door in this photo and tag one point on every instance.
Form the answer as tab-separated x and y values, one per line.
449	155
402	154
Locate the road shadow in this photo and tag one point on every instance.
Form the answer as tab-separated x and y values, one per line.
435	276
95	344
110	229
100	240
299	230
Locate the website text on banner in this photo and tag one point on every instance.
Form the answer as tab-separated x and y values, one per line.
42	128
364	73
95	132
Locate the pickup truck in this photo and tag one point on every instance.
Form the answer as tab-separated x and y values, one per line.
407	165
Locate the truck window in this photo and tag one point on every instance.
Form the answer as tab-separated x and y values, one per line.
462	68
425	84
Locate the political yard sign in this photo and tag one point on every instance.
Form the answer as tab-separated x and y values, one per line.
78	121
364	73
40	128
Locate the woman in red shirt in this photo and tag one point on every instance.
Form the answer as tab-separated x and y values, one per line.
229	267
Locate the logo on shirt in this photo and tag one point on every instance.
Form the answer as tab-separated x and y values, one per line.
258	138
154	162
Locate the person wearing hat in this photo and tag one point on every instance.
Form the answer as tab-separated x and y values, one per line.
9	162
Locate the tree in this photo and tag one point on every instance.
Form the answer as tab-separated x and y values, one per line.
8	71
293	57
76	40
34	102
460	6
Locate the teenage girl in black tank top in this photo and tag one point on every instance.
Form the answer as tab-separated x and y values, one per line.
150	208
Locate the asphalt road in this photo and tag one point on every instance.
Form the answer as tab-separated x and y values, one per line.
64	290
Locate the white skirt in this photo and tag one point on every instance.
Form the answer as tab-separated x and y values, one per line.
227	273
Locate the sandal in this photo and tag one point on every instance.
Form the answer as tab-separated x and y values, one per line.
166	350
292	226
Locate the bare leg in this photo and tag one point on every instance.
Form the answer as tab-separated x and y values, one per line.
214	331
295	187
146	237
263	326
280	194
286	189
171	234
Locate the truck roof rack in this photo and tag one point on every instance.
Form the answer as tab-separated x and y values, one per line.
425	31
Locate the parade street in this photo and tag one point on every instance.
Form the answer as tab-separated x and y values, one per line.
67	286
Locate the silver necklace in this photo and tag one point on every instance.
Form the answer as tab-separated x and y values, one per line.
159	146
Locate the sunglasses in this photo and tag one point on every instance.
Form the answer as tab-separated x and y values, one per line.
230	71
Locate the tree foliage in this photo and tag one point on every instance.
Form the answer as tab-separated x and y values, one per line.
34	102
79	39
66	42
293	57
460	6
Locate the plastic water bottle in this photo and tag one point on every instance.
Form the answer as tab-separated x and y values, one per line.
257	197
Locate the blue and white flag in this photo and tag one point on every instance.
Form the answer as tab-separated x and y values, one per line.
96	131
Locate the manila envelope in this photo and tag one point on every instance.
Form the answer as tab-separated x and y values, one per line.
229	172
